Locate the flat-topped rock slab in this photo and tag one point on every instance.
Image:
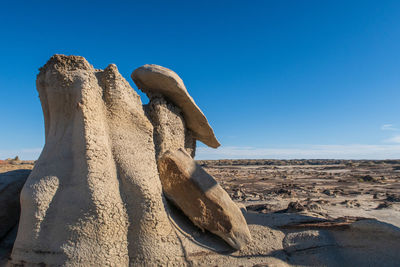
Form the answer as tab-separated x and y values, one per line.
154	79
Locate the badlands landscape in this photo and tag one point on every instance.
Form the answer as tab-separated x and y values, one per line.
318	212
330	188
117	184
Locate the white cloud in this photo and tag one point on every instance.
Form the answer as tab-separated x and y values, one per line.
388	127
394	139
355	151
24	153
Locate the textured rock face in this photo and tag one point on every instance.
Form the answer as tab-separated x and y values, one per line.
11	184
170	132
157	80
94	197
202	199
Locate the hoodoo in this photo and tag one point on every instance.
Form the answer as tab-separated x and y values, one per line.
178	122
94	197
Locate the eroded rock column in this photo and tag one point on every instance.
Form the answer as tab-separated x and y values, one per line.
94	197
170	131
178	121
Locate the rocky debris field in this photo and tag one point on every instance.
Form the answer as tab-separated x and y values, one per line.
369	188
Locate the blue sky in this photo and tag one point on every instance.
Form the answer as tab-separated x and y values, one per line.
276	79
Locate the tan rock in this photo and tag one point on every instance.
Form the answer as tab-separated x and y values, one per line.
94	197
170	131
202	199
154	79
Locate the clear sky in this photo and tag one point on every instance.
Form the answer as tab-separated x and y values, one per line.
276	79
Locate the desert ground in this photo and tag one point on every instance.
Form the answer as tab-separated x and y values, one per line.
317	212
363	188
15	164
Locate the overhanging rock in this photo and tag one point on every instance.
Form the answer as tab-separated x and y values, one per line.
154	79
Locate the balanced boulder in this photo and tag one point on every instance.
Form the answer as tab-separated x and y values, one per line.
157	80
201	198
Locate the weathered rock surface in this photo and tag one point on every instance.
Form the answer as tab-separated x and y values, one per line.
362	243
202	199
11	184
154	80
94	196
170	131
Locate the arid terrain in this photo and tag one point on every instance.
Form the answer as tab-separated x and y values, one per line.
15	164
364	188
333	188
300	212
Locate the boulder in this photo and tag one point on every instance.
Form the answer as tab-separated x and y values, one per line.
201	198
157	80
11	184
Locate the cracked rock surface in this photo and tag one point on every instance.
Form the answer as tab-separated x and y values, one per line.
94	196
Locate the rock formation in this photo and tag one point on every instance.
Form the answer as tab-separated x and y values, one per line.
158	81
184	182
170	131
202	199
94	196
